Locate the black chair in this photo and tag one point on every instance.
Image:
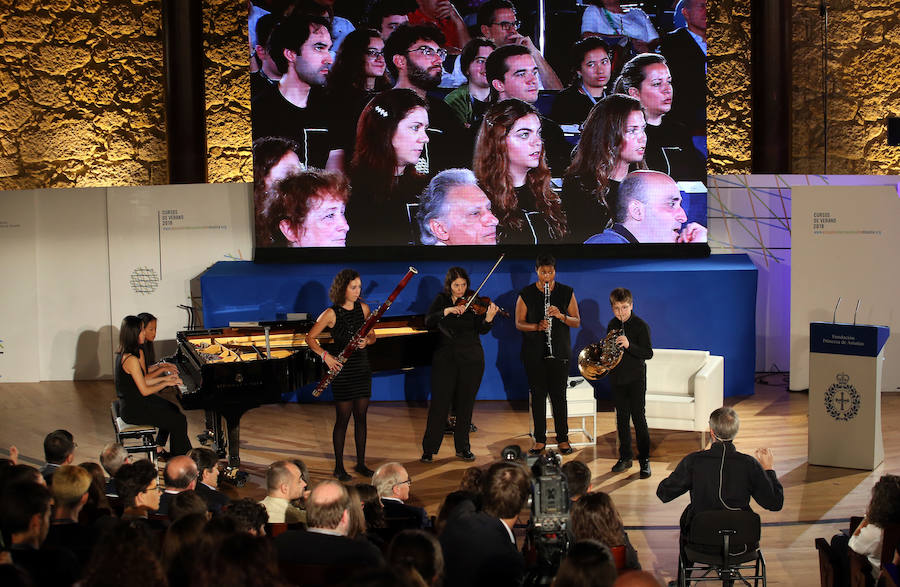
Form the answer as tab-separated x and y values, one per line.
722	545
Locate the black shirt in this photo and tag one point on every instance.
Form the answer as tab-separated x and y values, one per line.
670	150
572	106
457	330
383	219
534	344
632	367
273	116
534	229
585	213
557	150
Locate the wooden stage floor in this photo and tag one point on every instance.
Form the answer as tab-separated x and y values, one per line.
818	500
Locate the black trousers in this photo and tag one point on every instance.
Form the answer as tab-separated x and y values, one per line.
163	414
455	379
630	400
548	377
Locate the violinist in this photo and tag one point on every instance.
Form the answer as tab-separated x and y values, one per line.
458	362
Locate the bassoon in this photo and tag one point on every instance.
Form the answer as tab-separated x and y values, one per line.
362	332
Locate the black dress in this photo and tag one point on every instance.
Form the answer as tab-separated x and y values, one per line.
151	409
355	379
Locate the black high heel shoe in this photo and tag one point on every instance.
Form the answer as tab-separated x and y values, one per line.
342	475
363	470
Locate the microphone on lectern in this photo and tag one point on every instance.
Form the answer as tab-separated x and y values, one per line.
834	316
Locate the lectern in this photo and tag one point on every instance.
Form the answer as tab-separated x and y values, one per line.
845	364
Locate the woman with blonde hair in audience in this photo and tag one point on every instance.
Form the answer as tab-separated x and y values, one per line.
612	144
512	170
594	517
390	140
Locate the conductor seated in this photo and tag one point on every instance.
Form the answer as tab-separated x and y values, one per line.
720	477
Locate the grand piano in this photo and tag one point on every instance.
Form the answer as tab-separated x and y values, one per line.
228	371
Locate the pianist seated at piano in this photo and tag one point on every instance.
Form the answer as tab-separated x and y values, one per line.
352	387
306	210
148	354
137	392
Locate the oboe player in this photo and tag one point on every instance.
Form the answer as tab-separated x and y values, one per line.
546	348
352	387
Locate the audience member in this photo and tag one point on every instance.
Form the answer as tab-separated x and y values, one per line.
594	517
127	553
307	210
721	478
393	483
470	100
25	519
339	26
590	72
480	547
139	489
97	505
512	73
283	483
59	449
648	210
266	76
453	210
70	494
274	158
243	559
629	28
511	168
247	516
325	543
179	552
180	475
588	563
207	486
419	550
669	148
300	46
186	503
612	141
499	23
386	15
443	15
685	50
112	457
373	509
20	473
578	478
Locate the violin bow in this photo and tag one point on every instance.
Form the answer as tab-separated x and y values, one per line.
474	295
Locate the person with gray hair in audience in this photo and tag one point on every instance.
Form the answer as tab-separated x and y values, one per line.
453	210
112	457
393	483
649	211
720	477
283	484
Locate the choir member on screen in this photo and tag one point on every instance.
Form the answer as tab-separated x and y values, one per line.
357	75
458	363
307	210
352	387
669	148
612	141
591	68
545	310
649	211
454	211
510	166
390	139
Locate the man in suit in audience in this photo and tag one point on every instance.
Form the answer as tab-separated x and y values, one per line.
721	478
180	475
112	457
325	542
479	546
393	483
59	449
284	483
685	52
513	73
207	487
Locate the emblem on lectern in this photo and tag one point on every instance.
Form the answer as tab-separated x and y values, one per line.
842	399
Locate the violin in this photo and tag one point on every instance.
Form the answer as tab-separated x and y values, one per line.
479	305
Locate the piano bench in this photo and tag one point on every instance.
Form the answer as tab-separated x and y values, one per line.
136	438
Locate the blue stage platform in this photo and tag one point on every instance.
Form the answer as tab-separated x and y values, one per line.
706	304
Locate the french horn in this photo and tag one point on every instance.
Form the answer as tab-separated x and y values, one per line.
597	359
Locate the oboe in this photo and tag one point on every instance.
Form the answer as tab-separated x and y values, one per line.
549	320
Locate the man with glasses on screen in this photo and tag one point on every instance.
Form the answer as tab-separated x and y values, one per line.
393	483
649	211
453	210
300	45
413	55
498	22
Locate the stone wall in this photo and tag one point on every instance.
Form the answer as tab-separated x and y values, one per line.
863	87
728	107
81	94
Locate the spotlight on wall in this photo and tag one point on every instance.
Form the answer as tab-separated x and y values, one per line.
893	131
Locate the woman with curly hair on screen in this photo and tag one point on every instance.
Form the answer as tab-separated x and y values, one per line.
512	170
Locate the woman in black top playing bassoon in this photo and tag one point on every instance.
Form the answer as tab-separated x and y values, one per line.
458	362
352	387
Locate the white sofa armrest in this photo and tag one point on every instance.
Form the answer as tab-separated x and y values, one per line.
709	391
